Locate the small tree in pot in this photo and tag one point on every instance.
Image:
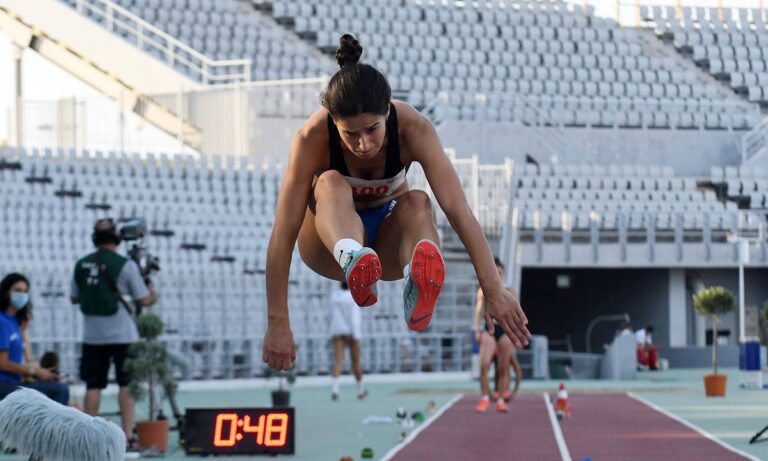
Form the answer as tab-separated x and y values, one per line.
150	377
281	397
714	302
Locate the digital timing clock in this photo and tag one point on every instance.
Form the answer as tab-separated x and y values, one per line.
239	431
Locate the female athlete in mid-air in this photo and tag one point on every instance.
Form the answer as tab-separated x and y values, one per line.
345	198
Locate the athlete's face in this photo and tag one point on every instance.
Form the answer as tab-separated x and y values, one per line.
363	134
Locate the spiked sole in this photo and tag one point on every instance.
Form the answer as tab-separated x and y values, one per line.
365	272
428	273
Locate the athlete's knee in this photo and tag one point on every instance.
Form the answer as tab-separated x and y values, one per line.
415	201
331	181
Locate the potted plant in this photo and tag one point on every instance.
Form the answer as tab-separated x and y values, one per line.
281	397
151	378
713	302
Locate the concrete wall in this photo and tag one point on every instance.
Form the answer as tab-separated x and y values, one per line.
675	148
555	312
701	357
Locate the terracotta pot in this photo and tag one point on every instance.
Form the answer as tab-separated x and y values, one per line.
153	434
715	385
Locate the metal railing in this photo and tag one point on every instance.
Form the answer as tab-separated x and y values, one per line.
217	322
674	229
629	12
173	52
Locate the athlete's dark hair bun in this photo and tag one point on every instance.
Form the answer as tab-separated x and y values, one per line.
349	51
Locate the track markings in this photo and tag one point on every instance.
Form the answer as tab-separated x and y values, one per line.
391	453
691	426
561	445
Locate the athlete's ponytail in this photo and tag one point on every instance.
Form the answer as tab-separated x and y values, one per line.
356	88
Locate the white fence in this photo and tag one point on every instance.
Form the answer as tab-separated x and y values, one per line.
255	118
250	118
163	46
92	123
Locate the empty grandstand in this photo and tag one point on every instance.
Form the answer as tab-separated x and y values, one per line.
614	153
584	145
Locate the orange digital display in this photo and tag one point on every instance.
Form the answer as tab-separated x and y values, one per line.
239	431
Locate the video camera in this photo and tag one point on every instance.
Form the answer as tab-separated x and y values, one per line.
135	229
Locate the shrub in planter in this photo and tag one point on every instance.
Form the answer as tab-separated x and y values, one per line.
714	302
151	377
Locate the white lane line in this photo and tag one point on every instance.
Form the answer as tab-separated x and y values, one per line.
561	445
418	430
692	426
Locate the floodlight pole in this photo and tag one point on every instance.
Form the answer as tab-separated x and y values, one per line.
743	253
18	95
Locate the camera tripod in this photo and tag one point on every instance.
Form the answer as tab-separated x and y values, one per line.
757	436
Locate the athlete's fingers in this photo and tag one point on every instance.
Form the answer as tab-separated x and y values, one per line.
519	309
489	323
511	329
276	360
523	322
522	331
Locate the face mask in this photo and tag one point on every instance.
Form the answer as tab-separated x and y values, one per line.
19	300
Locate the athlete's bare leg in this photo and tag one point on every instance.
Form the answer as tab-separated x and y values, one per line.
335	215
487	351
334	218
354	352
518	372
504	348
338	355
412	219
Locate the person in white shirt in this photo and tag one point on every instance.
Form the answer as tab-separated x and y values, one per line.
345	329
647	353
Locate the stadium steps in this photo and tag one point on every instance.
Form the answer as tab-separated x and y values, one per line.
113	67
662	45
656	47
264	10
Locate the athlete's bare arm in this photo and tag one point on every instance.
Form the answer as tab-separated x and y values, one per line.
423	145
309	148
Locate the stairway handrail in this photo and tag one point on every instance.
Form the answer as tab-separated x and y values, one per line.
173	49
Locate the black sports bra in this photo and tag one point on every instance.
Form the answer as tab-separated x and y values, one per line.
394	170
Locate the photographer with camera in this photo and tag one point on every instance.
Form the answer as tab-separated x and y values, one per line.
102	281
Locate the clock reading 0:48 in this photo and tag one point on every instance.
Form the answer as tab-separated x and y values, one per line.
270	430
240	431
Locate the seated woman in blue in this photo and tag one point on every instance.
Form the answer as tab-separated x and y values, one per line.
14	297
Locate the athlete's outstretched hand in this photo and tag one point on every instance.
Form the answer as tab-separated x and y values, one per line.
502	306
279	349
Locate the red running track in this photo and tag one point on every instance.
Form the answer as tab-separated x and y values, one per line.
603	427
617	427
463	434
